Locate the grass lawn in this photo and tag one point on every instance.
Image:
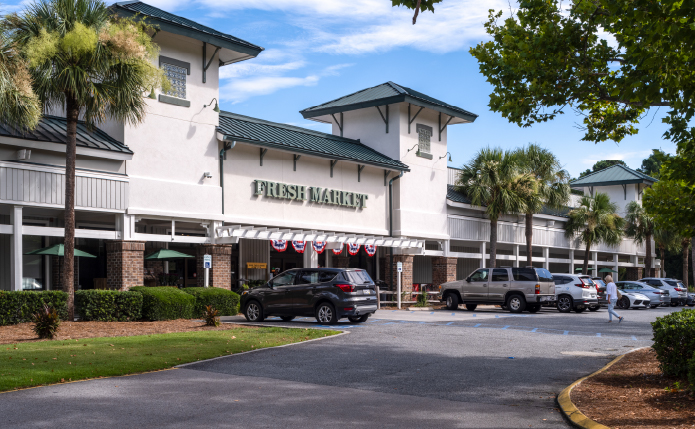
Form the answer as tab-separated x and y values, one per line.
49	362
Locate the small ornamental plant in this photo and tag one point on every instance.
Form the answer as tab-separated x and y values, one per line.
211	316
422	299
46	322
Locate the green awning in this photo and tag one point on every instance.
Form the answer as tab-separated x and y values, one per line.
163	254
606	270
578	269
58	250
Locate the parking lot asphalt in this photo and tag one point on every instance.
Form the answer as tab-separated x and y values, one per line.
459	369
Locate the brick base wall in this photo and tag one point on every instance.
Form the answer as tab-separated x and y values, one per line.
124	264
633	273
406	275
221	271
443	270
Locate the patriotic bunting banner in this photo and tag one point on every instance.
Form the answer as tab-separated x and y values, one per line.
319	246
299	246
339	250
353	249
370	249
279	245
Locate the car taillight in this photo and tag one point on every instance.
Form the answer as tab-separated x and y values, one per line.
582	285
679	289
348	308
346	288
538	289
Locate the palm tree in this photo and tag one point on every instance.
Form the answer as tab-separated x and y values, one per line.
553	189
595	221
18	103
685	247
665	238
89	64
493	180
640	227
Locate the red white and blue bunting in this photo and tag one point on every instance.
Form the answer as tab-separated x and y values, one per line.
299	246
370	249
353	249
339	250
319	246
279	245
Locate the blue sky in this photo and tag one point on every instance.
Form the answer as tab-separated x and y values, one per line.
318	50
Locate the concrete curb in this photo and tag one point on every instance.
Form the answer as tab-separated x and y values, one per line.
576	417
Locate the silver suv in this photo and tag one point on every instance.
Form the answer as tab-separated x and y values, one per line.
576	292
676	289
515	289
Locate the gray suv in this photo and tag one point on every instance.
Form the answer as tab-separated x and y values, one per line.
515	289
676	290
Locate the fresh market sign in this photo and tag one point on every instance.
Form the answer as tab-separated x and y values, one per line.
313	193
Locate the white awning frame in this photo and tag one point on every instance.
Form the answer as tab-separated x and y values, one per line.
229	234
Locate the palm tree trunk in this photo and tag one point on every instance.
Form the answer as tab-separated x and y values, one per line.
648	256
529	239
72	115
692	250
662	269
685	243
493	243
585	268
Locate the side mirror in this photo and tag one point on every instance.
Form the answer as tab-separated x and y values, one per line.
270	285
468	279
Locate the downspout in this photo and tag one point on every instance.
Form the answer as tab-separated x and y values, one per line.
223	156
391	221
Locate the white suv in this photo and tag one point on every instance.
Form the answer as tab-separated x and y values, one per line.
676	290
576	292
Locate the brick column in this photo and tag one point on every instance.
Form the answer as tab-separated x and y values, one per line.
221	271
124	264
633	273
406	275
443	270
340	261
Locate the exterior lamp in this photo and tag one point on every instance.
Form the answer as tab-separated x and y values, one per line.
417	145
216	108
449	153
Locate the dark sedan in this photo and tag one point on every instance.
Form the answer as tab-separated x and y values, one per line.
329	294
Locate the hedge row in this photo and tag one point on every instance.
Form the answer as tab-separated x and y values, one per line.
19	306
150	303
674	342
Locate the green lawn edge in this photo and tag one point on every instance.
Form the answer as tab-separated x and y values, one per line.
24	365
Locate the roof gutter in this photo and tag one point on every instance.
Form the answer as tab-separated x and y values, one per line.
223	156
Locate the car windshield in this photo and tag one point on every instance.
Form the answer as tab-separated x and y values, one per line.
601	283
357	277
587	281
544	275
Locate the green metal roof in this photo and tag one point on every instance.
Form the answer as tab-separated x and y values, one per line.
452	194
614	175
386	93
301	141
178	25
54	129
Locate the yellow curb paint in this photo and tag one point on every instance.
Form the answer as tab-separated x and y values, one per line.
576	417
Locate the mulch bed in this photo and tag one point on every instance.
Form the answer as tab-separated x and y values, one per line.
22	332
631	394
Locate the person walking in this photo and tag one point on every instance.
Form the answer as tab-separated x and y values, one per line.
612	296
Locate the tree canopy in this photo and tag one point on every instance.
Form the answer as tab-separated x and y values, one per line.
417	5
651	166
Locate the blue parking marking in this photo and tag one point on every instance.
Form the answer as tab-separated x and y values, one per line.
475	315
566	333
432	312
449	323
534	329
478	324
598	334
634	338
506	327
453	314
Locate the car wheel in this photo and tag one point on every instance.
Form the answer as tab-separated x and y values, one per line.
691	305
564	304
287	318
654	306
534	308
326	315
516	303
596	308
254	312
471	307
579	310
452	301
624	303
674	303
358	319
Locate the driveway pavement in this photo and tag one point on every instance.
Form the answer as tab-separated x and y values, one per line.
487	369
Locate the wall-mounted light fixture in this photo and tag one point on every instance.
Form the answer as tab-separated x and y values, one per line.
417	145
207	175
449	153
216	108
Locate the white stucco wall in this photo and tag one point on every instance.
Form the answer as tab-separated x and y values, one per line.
242	167
618	195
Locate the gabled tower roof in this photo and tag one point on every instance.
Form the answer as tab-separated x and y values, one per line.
387	93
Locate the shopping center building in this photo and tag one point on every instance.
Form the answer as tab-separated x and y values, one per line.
259	195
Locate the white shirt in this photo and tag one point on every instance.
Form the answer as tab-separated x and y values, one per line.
611	291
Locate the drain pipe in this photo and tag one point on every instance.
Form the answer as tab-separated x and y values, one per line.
223	156
391	221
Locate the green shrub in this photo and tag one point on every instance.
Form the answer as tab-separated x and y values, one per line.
165	303
20	306
109	305
674	341
691	373
223	300
46	322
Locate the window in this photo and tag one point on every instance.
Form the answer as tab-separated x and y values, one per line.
357	277
177	78
544	275
525	274
560	280
326	276
284	279
424	136
500	275
308	277
480	275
